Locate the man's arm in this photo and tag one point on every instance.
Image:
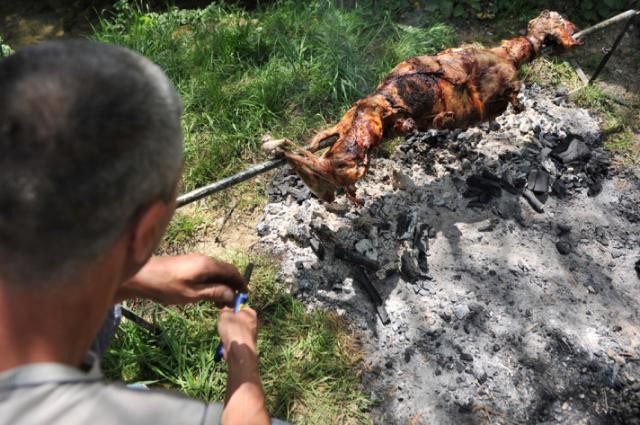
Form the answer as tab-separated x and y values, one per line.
184	279
244	401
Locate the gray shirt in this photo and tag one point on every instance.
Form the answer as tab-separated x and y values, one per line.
56	394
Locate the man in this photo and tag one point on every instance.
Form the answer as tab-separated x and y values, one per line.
90	158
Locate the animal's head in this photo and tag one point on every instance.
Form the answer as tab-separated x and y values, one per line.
322	175
346	161
315	174
552	30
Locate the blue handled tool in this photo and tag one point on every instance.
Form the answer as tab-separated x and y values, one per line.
239	302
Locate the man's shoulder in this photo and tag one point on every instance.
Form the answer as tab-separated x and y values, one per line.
80	400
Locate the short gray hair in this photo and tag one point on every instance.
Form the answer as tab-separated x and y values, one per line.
89	135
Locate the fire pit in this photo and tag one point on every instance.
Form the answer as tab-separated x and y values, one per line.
490	274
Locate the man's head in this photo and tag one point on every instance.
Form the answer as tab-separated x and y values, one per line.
90	138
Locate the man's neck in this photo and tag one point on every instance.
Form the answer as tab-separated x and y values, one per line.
56	323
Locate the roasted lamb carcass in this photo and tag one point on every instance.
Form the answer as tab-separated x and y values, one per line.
456	88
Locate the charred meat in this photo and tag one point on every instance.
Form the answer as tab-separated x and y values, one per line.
456	88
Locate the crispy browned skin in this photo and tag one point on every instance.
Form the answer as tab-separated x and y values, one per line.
456	88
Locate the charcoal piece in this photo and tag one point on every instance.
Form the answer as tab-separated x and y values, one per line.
466	357
471	193
599	163
355	257
490	176
559	189
363	279
421	244
538	181
323	232
406	225
544	154
479	203
571	150
564	247
533	200
520	181
595	188
637	267
563	229
421	238
317	247
385	225
386	270
484	185
507	183
410	269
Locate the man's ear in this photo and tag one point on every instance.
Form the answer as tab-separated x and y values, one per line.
145	233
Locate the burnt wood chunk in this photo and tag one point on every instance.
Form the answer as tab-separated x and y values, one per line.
355	257
363	279
571	150
538	181
482	185
533	200
317	247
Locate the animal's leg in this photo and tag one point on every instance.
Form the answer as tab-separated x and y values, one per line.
314	144
316	172
517	106
280	146
514	87
402	126
444	120
350	192
476	99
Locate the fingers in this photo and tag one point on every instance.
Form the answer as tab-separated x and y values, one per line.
240	327
212	272
221	295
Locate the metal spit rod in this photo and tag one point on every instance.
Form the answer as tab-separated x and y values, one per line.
613	20
200	193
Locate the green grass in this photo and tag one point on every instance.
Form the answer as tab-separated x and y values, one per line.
183	229
307	362
550	71
289	68
620	124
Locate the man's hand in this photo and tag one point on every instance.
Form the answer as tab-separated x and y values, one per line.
184	279
244	401
238	330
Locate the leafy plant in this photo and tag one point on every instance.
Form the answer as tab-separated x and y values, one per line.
5	50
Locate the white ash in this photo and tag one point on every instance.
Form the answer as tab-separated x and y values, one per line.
503	329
